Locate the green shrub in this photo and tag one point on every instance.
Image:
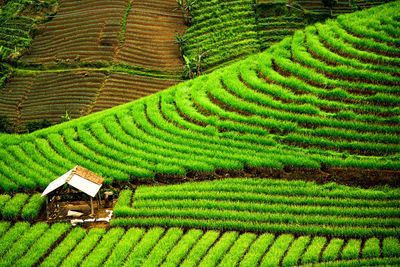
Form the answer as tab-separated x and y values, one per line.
13	207
276	251
32	208
180	251
6	126
84	247
200	248
391	247
371	248
103	249
313	251
142	249
215	254
64	248
257	250
295	251
331	252
35	125
351	250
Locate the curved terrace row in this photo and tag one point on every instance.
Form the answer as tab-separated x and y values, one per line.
306	102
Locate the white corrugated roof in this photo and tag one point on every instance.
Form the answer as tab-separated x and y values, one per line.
84	185
60	181
76	181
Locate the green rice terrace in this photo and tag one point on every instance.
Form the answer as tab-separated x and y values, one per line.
230	133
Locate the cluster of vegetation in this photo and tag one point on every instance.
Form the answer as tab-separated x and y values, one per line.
17	27
264	205
219	31
41	245
21	206
222	31
7	126
301	103
24	244
328	96
73	46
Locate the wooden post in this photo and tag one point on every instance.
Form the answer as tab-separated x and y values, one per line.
91	206
47	207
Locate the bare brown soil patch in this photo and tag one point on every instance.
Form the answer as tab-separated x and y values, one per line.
364	178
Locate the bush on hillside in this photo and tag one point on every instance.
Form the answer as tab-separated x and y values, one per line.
37	125
6	126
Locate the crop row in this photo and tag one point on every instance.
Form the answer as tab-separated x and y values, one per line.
221	32
271	110
121	88
50	95
265	206
150	32
20	206
62	38
217	25
335	9
15	29
40	244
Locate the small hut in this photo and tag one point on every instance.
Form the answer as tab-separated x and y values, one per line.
79	178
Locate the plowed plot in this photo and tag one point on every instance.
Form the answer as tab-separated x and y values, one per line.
49	95
81	31
12	94
121	88
150	34
52	94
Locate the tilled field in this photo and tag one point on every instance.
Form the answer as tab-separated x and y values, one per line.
128	45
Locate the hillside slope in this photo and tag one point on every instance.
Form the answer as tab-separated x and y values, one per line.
324	100
263	205
89	56
222	31
62	245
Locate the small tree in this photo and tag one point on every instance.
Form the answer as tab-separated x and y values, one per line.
6	126
180	41
66	117
329	4
188	69
35	125
192	66
199	57
187	7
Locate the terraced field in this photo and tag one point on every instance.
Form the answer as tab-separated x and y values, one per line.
318	6
21	206
121	36
151	29
48	95
18	20
232	168
220	31
274	29
282	222
83	49
122	88
276	206
307	102
223	31
85	31
62	246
